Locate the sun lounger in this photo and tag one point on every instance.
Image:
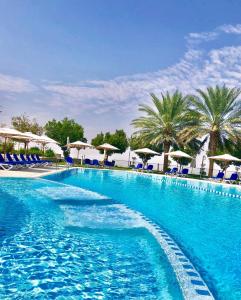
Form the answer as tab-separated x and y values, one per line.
183	173
149	168
18	164
87	161
5	165
46	161
173	171
219	177
95	162
24	163
109	163
35	160
23	159
69	160
232	179
138	167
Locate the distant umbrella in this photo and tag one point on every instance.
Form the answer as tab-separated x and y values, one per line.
9	133
79	145
107	147
227	158
146	152
179	154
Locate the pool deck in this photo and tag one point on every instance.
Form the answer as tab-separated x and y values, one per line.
32	173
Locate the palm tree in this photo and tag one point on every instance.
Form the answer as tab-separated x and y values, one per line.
218	110
163	124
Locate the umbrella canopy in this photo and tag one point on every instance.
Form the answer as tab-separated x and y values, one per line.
179	154
146	151
107	146
225	157
47	139
79	145
9	132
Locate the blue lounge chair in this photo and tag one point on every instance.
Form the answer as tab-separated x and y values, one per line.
44	161
87	161
219	177
109	163
183	173
24	160
34	159
173	171
17	163
149	168
6	165
25	163
232	179
95	163
138	167
69	160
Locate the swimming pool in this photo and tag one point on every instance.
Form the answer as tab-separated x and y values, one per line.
205	219
64	242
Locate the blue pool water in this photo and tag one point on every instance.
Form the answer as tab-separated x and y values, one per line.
63	242
207	225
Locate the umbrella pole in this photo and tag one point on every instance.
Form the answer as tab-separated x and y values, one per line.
5	145
104	154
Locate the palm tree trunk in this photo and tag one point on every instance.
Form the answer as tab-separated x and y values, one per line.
166	148
212	150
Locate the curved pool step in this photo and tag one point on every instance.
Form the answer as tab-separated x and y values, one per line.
190	281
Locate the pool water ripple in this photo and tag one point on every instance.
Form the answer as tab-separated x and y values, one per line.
53	255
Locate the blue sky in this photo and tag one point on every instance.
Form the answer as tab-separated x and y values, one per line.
96	61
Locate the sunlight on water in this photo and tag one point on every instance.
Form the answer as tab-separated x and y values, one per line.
60	242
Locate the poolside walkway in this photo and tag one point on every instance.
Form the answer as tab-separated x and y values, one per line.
32	173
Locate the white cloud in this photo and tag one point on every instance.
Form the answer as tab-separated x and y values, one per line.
120	96
15	84
236	29
197	69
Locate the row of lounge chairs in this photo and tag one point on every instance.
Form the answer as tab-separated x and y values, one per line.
140	167
174	171
220	177
96	163
92	163
22	161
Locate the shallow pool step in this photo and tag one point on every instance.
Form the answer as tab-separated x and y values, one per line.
191	283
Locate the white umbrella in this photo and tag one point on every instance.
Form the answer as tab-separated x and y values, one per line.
48	139
79	145
44	140
9	133
225	157
107	147
178	154
146	151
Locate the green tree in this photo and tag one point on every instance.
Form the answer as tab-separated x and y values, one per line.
24	123
117	139
98	139
61	130
218	111
163	125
